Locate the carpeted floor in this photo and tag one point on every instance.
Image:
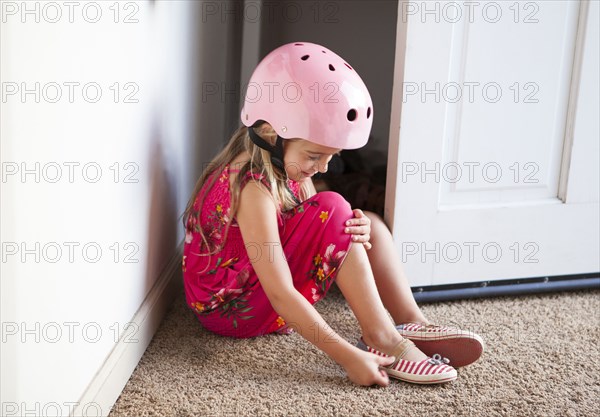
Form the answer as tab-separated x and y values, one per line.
542	359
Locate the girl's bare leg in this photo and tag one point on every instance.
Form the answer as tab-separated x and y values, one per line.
356	282
390	279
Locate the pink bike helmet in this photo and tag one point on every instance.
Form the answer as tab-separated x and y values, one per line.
305	90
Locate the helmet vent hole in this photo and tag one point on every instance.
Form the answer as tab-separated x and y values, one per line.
324	52
368	112
331	67
298	44
305	57
351	115
347	65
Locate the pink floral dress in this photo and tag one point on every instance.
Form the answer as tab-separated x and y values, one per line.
223	289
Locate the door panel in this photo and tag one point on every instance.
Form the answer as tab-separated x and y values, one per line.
507	97
493	141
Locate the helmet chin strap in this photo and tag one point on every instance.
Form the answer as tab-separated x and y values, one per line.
275	151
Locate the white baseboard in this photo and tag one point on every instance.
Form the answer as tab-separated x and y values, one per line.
108	383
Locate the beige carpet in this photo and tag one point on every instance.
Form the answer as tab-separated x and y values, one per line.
542	359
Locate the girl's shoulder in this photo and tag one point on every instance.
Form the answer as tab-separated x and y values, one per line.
234	167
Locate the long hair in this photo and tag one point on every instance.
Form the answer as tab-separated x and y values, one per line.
259	163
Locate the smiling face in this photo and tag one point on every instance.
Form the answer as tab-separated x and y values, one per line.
303	159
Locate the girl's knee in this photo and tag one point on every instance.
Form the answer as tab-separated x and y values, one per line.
333	200
376	220
378	227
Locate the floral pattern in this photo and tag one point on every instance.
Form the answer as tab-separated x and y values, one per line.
224	291
325	266
230	303
227	264
324	216
214	218
301	208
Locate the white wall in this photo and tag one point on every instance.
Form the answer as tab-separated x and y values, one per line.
47	360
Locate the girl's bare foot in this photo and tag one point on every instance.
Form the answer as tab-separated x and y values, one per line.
387	345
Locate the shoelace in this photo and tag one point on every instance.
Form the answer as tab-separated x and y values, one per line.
437	359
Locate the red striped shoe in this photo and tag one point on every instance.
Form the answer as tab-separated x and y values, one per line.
461	347
428	371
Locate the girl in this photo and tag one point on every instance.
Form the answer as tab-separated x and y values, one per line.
262	246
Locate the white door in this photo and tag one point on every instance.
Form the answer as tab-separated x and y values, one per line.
493	168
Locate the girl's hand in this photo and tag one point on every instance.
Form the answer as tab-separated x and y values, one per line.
364	369
360	228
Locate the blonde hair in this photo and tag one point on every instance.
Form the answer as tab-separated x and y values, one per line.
259	163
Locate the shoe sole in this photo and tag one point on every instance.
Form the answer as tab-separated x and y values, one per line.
423	379
460	350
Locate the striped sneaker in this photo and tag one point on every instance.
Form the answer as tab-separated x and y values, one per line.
428	371
461	347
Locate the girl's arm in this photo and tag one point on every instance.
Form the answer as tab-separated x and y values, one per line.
257	219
